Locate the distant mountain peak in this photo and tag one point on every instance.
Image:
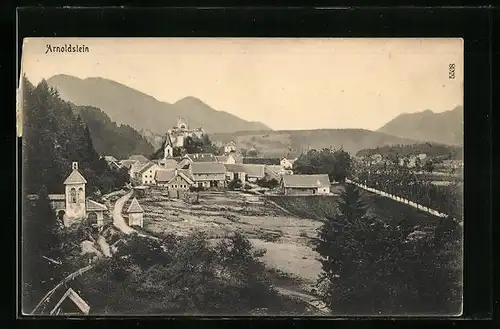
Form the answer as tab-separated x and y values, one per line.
444	127
126	105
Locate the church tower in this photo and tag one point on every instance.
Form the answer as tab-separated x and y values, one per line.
169	149
75	194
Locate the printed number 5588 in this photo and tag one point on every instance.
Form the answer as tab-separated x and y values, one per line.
451	71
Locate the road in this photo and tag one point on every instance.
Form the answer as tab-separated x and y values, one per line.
118	220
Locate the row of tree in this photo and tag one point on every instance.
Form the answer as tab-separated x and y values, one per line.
444	152
418	188
337	164
374	265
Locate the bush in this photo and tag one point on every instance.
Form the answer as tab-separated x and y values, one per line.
267	183
247	187
234	184
183	276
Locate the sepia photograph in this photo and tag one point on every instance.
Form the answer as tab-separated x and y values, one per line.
241	176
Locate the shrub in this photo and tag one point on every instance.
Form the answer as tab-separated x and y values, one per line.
234	184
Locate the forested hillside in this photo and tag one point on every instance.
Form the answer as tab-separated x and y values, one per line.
109	138
53	137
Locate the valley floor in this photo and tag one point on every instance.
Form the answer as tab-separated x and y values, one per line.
285	237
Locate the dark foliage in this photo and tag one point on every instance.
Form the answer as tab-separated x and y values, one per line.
108	138
269	183
182	276
192	144
336	163
234	184
39	238
54	136
383	266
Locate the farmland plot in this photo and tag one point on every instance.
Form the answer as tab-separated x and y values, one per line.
285	237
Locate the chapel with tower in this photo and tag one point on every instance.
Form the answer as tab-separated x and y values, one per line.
73	206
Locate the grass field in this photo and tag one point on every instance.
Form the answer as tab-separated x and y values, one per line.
286	238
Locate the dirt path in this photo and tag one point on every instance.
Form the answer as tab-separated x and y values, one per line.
118	219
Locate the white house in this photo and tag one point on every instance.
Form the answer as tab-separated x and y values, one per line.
230	147
305	184
146	174
287	163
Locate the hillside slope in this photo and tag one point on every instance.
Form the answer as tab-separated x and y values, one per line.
108	138
131	107
293	142
446	127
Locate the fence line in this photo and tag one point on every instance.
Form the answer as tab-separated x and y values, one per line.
399	199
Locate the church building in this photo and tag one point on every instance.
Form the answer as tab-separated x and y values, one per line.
73	206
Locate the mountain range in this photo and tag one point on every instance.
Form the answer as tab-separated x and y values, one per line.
143	112
152	118
445	127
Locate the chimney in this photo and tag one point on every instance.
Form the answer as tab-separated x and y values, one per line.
175	172
74	165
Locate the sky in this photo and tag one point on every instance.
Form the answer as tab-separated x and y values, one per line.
285	83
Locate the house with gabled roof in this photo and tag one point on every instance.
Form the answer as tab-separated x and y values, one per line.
254	171
305	184
146	174
208	174
135	214
235	171
174	179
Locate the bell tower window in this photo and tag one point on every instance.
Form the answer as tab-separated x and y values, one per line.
72	196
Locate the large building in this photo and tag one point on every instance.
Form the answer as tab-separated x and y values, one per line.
179	133
208	174
305	184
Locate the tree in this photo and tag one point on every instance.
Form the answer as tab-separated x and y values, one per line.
337	164
40	238
429	166
243	152
252	153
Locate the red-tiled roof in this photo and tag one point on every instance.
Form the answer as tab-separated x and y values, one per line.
75	178
134	207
